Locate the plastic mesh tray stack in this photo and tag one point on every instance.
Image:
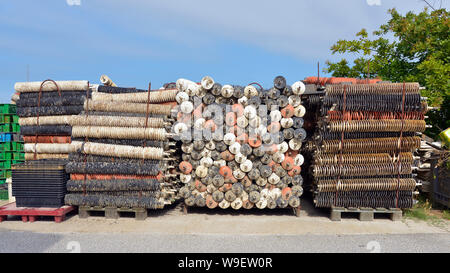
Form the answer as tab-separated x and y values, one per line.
40	183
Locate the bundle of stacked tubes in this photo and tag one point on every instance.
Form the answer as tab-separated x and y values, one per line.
239	149
44	109
364	142
122	153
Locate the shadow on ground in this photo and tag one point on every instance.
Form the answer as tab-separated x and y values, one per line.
307	209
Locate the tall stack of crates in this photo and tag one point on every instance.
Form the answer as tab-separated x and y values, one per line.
11	148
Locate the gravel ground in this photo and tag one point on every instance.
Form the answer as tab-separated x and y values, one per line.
18	241
204	230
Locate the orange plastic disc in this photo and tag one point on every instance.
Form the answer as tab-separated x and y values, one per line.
238	109
295	171
254	141
210	125
286	193
288	163
200	186
242	139
227	156
288	111
273	165
230	119
210	203
227	186
225	171
197	113
274	127
185	167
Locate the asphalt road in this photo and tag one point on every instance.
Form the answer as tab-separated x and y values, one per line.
20	241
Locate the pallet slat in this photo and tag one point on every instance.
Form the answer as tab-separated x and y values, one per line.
112	212
31	214
365	214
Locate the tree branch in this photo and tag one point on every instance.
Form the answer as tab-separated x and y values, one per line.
429	4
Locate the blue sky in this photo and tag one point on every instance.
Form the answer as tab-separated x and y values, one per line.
138	41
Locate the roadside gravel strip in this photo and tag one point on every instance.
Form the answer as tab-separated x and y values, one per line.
14	241
221	222
224	231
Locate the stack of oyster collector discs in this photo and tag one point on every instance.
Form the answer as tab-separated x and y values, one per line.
239	145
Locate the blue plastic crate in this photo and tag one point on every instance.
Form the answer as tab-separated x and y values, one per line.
6	137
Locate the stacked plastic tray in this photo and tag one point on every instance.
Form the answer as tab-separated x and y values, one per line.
11	148
39	183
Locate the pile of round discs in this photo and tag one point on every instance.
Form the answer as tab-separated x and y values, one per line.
240	145
123	154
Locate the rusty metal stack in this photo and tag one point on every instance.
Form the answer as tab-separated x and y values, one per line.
364	141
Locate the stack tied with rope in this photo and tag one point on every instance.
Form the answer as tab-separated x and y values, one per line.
122	151
239	149
44	110
363	145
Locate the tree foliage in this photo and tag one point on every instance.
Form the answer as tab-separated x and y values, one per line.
417	52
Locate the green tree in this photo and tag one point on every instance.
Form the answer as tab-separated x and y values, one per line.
419	52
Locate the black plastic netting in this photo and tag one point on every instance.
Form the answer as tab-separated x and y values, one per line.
131	142
52	94
52	101
46	130
126	193
114	89
122	114
114	185
79	157
113	168
114	201
49	110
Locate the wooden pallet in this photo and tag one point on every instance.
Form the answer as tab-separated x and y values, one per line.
31	214
112	212
365	214
296	210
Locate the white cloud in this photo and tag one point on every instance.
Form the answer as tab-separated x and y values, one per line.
73	2
373	2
